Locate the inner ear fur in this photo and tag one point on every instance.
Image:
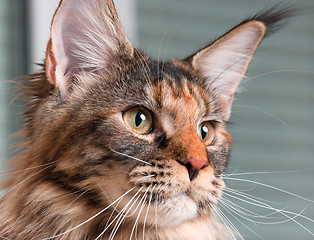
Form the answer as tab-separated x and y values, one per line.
86	36
224	63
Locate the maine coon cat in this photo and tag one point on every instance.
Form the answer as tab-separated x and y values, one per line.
119	146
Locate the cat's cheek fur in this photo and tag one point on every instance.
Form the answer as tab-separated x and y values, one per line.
178	199
219	153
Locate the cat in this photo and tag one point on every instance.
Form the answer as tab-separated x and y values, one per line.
119	146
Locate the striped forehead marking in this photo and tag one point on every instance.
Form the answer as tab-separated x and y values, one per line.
179	105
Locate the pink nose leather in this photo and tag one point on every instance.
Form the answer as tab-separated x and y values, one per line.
197	162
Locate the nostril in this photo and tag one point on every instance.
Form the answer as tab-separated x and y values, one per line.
193	165
191	171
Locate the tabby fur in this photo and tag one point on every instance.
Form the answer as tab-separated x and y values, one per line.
81	167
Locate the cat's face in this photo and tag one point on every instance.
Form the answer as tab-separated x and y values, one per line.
156	134
146	138
151	129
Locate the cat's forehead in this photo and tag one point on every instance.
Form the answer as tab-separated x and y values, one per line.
176	98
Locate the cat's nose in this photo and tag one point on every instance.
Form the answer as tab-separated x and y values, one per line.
194	155
194	165
197	163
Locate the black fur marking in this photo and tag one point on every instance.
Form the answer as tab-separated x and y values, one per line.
62	180
161	166
90	163
161	140
94	124
191	171
274	18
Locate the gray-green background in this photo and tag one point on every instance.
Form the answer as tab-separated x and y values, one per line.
273	116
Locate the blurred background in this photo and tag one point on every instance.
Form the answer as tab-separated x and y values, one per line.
273	116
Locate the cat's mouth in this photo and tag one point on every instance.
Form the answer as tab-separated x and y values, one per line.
168	194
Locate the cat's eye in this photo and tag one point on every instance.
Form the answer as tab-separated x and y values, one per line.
206	133
139	120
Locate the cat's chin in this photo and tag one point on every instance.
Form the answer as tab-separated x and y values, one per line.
174	211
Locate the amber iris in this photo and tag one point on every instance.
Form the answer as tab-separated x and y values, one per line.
139	120
206	133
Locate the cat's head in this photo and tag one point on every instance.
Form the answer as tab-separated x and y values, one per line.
121	128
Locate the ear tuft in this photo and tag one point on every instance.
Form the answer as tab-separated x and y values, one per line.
223	63
274	18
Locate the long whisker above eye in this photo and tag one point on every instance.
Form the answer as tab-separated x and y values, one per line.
266	113
126	155
145	69
272	72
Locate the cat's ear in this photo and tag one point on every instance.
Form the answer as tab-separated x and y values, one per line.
224	62
86	36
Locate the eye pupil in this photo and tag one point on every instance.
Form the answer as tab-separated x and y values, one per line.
204	131
139	119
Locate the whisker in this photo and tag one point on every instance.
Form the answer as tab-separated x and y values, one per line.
109	200
272	172
144	69
74	200
227	222
227	68
26	169
156	209
149	203
267	113
246	194
271	187
120	213
235	210
283	212
226	207
265	205
276	71
126	155
121	216
139	213
248	212
169	39
217	218
25	180
4	238
163	38
91	218
116	226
